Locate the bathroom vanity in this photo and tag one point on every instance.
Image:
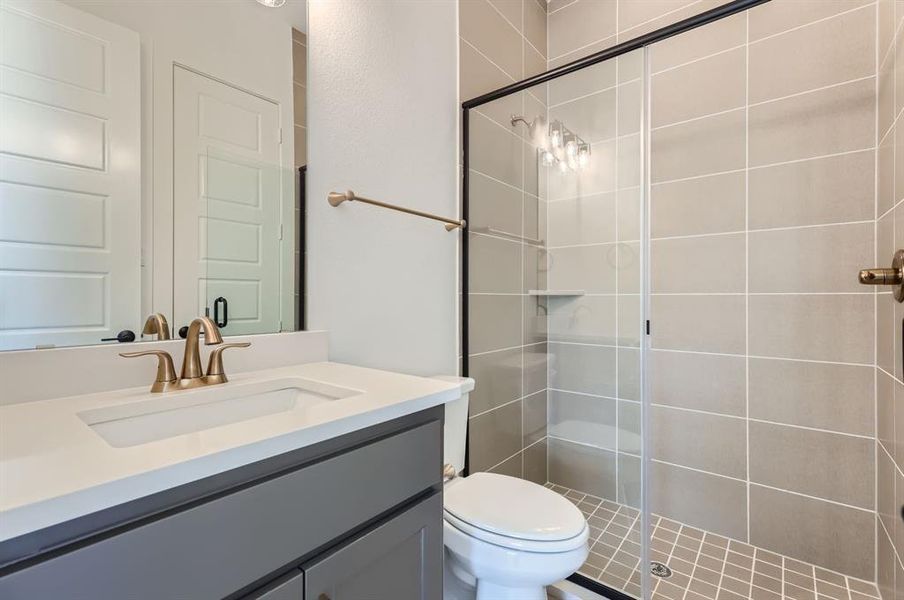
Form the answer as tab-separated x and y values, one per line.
334	499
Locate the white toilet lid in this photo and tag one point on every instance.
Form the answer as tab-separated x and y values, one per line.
513	507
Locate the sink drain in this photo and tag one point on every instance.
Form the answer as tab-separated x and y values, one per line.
660	570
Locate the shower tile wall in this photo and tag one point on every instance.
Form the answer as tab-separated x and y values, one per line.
764	207
890	237
593	231
503	41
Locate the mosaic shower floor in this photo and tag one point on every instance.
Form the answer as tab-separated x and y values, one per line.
704	566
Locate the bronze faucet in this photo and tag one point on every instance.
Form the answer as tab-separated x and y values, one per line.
192	376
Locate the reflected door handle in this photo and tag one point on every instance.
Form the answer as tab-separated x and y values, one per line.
221	301
126	335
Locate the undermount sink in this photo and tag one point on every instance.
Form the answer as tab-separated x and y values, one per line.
178	413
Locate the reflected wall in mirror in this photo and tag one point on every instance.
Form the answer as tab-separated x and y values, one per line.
152	159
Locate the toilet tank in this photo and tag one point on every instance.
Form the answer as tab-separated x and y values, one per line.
455	430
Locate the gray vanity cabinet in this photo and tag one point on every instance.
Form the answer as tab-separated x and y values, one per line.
357	517
394	561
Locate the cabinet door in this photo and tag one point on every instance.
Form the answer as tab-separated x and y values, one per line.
288	587
399	560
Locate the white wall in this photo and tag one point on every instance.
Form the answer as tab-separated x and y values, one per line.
382	108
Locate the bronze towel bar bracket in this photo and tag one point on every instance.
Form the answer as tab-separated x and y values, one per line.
337	198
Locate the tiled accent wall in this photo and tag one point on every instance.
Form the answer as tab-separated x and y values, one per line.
890	237
763	209
300	84
503	41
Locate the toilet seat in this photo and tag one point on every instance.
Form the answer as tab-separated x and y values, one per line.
514	513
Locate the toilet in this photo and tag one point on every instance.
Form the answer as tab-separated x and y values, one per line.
505	538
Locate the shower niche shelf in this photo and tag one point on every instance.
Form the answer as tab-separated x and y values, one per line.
555	293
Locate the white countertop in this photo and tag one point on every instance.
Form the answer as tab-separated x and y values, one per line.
54	468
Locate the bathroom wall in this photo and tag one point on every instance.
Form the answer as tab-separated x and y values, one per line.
500	42
763	209
382	121
890	237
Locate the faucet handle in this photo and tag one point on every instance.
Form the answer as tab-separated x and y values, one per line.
166	373
215	372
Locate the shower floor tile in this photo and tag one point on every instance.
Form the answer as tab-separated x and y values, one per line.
704	566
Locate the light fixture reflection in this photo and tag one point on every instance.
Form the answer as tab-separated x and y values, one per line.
272	3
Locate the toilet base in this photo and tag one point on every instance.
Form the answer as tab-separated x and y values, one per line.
460	585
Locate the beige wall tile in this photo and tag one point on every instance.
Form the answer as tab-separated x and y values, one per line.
711	85
886	103
782	15
535	326
629	265
699	43
629	211
630	162
495	322
675	381
599	77
629	373
710	502
586	220
833	466
713	204
700	323
703	441
899	71
495	151
629	427
819	395
885	174
495	266
811	259
629	320
886	561
585	369
483	26
886	332
510	9
887	510
834	120
814	327
710	145
534	62
498	379
478	75
580	24
513	467
899	438
493	204
636	12
820	54
536	366
535	463
586	320
899	162
835	189
592	117
535	24
705	264
584	419
629	480
535	418
585	468
494	436
588	268
829	535
885	410
885	12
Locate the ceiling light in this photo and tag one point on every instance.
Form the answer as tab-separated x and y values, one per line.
272	3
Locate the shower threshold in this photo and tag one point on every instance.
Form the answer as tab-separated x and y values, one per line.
703	565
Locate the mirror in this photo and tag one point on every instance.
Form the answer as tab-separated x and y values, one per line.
152	160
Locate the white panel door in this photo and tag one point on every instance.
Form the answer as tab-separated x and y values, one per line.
227	202
69	176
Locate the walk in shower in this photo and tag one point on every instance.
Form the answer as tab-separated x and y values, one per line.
661	305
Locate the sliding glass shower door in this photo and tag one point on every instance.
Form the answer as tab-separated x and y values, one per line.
555	182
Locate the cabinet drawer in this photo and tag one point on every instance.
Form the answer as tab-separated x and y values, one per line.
220	547
290	587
